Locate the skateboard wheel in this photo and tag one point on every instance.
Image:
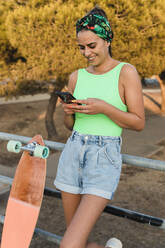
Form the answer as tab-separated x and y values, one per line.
41	151
14	146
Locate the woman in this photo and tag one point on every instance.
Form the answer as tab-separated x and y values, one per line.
111	99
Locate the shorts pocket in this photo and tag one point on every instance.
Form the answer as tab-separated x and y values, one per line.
110	155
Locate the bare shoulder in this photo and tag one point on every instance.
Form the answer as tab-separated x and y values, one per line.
129	74
72	81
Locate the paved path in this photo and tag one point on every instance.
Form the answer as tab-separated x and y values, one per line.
147	141
27	98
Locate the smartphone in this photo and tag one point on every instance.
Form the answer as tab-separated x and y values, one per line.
66	97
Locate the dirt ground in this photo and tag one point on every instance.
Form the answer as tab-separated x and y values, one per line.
139	189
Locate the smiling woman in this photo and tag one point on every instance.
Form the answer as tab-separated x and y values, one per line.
97	22
111	99
92	47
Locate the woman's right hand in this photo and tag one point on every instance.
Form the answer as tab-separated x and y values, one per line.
67	111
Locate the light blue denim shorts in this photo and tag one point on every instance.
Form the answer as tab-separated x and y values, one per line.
90	164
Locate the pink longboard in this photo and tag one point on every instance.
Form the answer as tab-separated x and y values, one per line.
24	200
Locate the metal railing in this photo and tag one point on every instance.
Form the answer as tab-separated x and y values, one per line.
117	211
127	159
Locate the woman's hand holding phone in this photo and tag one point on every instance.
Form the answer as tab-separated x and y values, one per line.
67	101
67	109
89	106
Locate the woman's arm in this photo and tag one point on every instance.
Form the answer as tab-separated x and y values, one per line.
69	121
69	117
132	95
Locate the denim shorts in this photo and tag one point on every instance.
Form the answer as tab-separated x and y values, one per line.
90	164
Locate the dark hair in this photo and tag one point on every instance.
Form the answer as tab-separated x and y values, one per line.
98	11
162	75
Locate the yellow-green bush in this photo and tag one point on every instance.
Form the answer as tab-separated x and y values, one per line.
43	31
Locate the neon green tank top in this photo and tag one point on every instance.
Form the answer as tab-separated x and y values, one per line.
102	86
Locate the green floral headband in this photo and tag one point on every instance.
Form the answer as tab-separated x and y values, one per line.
97	24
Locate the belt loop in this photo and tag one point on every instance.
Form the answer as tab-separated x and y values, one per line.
100	140
72	135
120	140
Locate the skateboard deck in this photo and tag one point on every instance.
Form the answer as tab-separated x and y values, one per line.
24	200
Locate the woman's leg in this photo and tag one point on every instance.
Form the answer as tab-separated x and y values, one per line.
88	211
70	204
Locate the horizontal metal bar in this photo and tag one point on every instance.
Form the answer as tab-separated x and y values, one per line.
135	216
7	180
52	193
114	210
121	212
143	162
51	144
127	159
2	218
47	235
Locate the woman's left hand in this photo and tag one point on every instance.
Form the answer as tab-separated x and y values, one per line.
90	106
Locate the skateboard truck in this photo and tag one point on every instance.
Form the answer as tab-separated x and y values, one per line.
33	148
